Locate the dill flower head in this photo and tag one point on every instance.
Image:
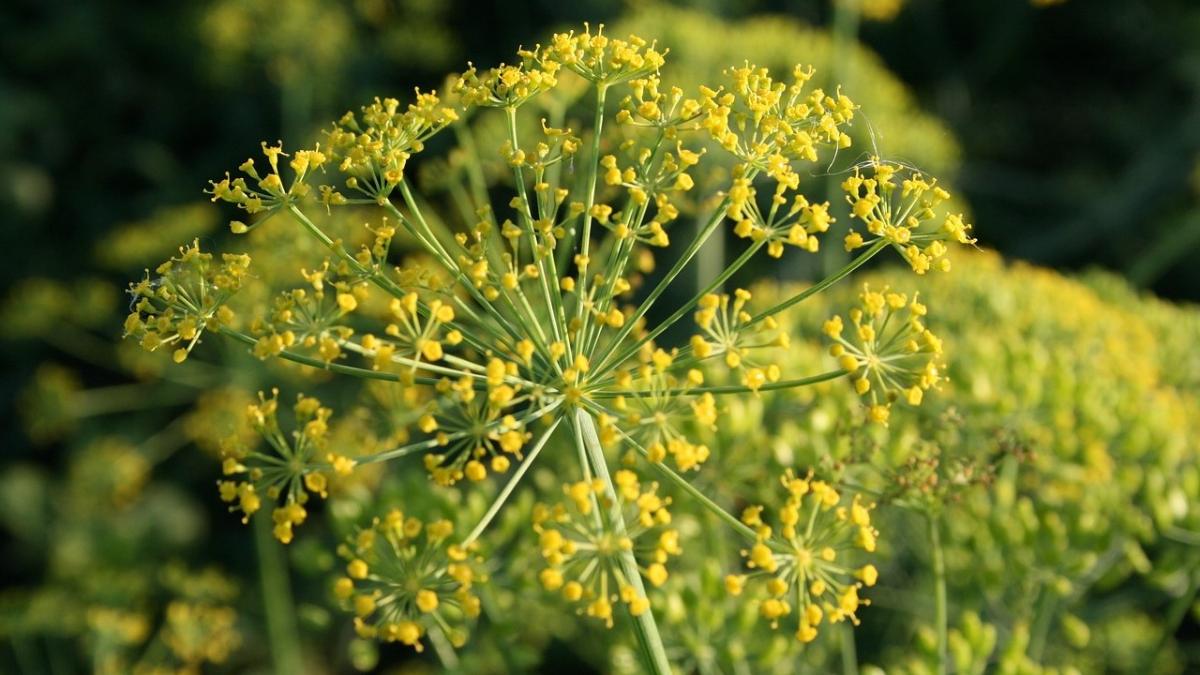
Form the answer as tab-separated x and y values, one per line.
602	59
110	473
887	350
804	567
266	192
732	334
296	465
187	296
898	206
534	324
583	551
405	577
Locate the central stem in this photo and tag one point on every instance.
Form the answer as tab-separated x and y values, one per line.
939	591
283	637
647	629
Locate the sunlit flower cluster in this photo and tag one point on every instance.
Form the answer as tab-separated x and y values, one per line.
731	333
293	468
806	567
602	59
584	551
198	633
896	204
187	296
405	577
887	350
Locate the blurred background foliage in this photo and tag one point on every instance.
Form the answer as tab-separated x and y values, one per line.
1071	131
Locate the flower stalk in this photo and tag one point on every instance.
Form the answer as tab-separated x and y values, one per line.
647	629
939	593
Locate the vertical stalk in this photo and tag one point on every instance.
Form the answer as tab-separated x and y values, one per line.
939	591
1043	616
849	650
647	629
589	199
282	635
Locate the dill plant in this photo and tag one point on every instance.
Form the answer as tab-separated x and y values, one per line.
534	327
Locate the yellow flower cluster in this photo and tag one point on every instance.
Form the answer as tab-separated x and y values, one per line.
730	333
655	409
602	59
198	633
297	466
372	149
647	183
267	193
113	470
527	322
768	124
797	225
118	626
896	203
583	552
648	105
803	568
888	351
474	431
413	336
404	578
187	296
506	86
311	317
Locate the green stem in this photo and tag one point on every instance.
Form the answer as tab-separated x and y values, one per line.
939	591
848	649
318	363
1042	623
589	198
1175	614
823	284
647	629
685	307
552	298
511	485
694	492
726	388
119	398
444	650
282	634
25	662
682	483
608	362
